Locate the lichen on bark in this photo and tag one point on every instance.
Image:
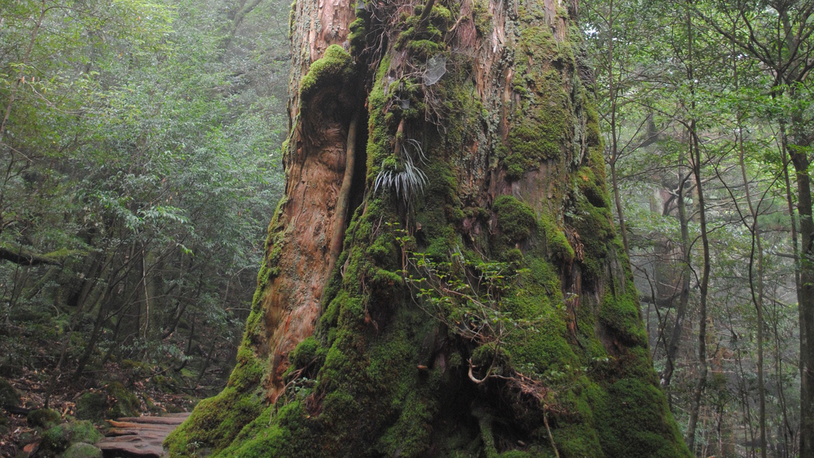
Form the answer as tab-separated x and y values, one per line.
345	356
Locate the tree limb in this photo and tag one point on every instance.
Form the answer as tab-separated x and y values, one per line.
23	257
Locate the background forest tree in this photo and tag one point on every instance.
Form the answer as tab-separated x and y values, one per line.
139	150
731	81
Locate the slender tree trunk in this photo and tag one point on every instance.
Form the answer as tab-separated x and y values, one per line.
674	342
695	407
756	288
614	131
805	298
695	153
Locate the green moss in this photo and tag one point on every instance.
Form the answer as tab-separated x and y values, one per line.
592	186
82	450
557	245
595	227
334	69
306	353
248	372
542	125
592	134
124	402
380	128
91	406
8	395
482	18
424	49
274	440
578	440
537	41
357	36
43	418
539	136
548	350
638	422
215	422
411	434
113	401
440	16
543	347
516	220
621	312
57	439
516	165
513	256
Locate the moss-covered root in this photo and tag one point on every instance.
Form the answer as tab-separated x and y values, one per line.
215	422
485	424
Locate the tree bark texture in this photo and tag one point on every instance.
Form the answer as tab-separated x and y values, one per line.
481	302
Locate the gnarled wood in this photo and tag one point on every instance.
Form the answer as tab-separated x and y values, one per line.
139	436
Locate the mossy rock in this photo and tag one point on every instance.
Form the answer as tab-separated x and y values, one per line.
125	403
115	401
43	418
59	438
8	395
82	450
91	406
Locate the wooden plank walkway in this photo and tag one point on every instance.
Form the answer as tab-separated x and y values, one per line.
139	437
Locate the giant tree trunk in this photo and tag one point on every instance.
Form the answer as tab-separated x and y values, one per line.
443	276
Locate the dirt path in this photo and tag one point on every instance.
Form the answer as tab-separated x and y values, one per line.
139	436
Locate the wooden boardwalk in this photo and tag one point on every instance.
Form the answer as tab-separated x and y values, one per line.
139	437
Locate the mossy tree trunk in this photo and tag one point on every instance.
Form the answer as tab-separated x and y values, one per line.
443	277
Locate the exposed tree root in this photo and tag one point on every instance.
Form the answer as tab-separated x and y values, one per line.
343	199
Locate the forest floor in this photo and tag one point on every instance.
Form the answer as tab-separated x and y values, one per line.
132	381
20	437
